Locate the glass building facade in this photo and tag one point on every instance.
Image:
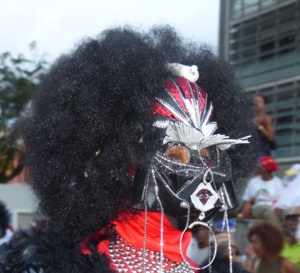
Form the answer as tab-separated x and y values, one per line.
261	38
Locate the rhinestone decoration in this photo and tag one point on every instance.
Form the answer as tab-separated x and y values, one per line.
127	258
211	234
226	223
195	129
205	197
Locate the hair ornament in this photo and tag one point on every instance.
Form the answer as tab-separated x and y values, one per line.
189	72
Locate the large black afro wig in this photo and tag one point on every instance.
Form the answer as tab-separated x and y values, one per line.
85	126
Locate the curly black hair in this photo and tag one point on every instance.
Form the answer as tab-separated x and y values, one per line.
84	128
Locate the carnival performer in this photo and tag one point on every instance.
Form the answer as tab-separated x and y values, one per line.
132	139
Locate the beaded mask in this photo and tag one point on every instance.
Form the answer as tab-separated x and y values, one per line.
188	175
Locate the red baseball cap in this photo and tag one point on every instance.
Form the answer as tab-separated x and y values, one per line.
269	163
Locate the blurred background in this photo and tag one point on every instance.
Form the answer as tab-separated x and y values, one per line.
262	40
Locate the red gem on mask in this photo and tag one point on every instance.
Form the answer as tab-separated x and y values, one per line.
204	195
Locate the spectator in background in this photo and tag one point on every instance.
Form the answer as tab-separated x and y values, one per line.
291	174
222	259
290	196
263	254
198	247
264	126
263	191
222	242
5	232
291	229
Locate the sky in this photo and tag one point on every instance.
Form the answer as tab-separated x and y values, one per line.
57	25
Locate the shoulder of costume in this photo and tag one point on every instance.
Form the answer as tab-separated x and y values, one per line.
34	250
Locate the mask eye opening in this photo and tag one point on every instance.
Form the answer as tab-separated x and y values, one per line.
210	156
169	145
178	152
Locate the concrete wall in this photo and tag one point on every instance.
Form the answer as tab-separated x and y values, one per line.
21	203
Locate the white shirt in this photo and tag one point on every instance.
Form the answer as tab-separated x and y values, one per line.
196	254
265	193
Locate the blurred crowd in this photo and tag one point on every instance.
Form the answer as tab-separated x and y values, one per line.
273	206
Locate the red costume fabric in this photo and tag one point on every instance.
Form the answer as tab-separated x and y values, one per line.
132	232
171	86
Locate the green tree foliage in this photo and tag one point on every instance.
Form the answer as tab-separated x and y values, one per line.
19	79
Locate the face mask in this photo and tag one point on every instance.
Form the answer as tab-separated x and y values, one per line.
189	178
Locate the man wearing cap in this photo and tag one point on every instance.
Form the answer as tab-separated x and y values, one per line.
263	191
291	229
